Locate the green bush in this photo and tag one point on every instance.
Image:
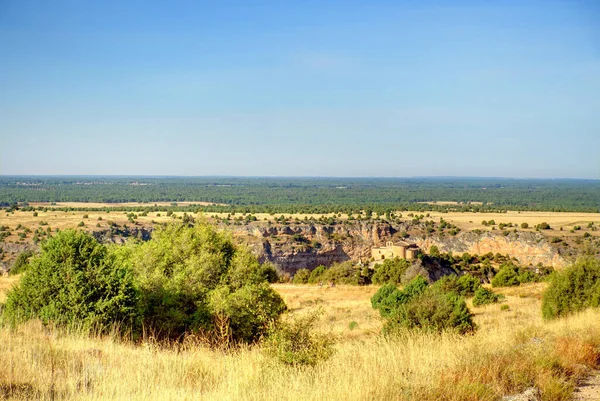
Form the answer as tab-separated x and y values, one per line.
390	271
186	279
342	273
315	275
196	279
432	310
75	281
301	276
420	306
527	276
483	296
295	342
573	289
465	285
21	263
507	276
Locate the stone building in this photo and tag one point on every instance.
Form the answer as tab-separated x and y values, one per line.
398	249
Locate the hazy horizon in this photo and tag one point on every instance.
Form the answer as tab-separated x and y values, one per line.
432	177
311	89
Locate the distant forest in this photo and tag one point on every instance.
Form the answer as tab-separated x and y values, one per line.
317	195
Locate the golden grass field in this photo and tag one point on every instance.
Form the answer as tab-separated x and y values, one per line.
512	350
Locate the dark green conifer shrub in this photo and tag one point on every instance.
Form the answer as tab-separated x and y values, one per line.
483	296
573	289
507	276
75	281
424	307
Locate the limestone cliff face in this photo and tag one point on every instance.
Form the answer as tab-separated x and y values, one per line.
296	246
528	248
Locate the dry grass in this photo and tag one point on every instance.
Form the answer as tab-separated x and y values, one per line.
5	284
346	309
466	221
513	350
567	220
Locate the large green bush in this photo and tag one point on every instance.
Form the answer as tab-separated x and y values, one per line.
341	273
511	275
465	285
197	279
433	310
483	296
507	276
301	276
185	279
316	275
420	306
575	288
75	281
390	271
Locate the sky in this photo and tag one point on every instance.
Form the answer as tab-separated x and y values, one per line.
300	88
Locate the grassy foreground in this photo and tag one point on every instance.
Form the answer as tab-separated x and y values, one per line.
512	350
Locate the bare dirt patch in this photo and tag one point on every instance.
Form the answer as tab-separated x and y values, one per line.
589	390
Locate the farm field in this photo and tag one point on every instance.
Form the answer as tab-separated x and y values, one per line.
512	347
98	220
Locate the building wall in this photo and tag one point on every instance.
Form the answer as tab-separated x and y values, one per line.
391	251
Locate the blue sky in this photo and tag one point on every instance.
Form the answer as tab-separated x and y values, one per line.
300	88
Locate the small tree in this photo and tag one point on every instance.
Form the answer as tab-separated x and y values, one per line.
301	276
483	296
573	289
75	280
508	276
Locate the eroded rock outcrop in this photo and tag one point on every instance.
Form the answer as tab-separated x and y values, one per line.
527	247
296	246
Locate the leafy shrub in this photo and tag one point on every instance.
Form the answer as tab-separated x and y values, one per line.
75	280
483	296
390	271
432	310
507	276
420	306
185	279
527	276
575	288
21	263
295	342
315	275
378	299
196	279
465	285
301	276
341	273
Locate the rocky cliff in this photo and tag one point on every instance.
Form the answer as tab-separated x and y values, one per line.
304	245
296	246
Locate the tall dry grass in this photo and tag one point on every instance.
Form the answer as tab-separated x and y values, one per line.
514	349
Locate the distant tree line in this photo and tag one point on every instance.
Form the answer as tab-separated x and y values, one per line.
312	195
